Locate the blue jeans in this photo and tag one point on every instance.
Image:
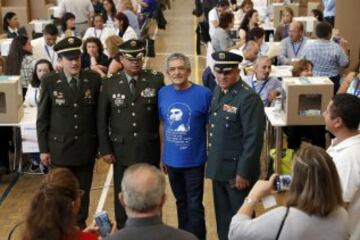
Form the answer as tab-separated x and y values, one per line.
187	185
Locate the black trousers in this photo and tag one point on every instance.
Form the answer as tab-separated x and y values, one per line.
227	201
330	20
120	215
84	174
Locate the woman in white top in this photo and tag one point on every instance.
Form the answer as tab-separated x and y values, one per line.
123	28
32	96
315	208
98	30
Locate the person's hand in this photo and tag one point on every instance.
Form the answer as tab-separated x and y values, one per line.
241	183
92	228
272	95
163	168
262	188
45	159
113	226
109	158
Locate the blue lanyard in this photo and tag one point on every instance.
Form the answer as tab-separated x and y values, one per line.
298	49
48	53
262	87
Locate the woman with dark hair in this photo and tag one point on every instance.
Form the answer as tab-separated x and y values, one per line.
127	8
68	25
53	210
98	30
123	28
251	20
314	208
282	31
20	61
11	26
93	56
32	96
109	12
257	34
245	6
32	99
317	14
222	41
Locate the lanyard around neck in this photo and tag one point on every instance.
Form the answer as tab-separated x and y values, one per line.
296	51
95	34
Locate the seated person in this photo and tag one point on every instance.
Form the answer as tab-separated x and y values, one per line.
250	21
221	40
68	25
293	47
265	86
98	30
123	29
214	14
11	26
314	207
257	34
351	83
342	118
249	52
316	13
54	207
143	196
282	31
245	6
93	57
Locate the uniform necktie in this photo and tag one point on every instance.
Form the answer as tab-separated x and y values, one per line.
73	85
132	86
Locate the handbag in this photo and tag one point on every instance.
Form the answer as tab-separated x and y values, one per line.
282	224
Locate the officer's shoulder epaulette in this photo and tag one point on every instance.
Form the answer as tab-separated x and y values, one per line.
153	72
245	86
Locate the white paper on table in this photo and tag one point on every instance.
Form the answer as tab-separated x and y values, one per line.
5	46
29	140
309	26
38	27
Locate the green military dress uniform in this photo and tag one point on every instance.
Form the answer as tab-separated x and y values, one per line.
235	137
66	124
128	124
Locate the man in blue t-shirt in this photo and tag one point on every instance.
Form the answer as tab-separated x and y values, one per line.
183	108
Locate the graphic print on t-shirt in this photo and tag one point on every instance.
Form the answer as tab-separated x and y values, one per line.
178	116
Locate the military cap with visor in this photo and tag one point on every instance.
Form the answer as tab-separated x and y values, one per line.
69	47
225	61
132	49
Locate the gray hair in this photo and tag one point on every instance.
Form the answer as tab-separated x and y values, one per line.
176	56
143	186
261	59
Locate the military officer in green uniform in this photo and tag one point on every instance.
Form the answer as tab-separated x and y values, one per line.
128	121
66	121
235	137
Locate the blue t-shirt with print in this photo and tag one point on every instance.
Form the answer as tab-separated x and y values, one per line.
184	113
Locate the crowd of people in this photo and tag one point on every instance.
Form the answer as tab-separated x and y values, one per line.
95	100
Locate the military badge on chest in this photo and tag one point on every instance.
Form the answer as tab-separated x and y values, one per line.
229	108
87	94
119	99
59	98
148	92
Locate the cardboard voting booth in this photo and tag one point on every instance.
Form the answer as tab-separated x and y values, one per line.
11	104
304	99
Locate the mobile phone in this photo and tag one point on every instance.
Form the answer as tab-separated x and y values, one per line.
103	222
282	183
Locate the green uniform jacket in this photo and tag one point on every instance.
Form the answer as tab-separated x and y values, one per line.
128	126
66	122
235	136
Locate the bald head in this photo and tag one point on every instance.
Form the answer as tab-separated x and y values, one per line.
143	188
296	30
251	50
